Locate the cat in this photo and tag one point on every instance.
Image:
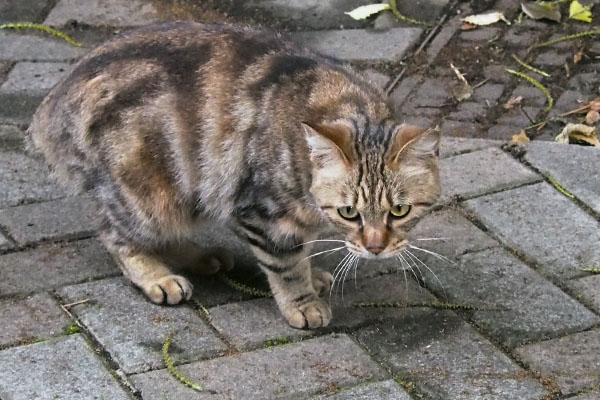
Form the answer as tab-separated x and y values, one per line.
173	125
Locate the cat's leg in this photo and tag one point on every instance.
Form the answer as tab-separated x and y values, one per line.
291	281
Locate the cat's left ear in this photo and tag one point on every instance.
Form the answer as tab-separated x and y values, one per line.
415	140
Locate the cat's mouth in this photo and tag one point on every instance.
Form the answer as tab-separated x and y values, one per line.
362	252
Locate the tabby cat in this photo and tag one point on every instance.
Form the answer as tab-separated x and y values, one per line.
171	125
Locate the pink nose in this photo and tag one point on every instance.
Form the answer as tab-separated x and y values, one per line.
375	249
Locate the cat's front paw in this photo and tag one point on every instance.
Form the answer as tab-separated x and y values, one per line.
170	289
321	281
310	315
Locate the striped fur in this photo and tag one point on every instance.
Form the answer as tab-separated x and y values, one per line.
176	124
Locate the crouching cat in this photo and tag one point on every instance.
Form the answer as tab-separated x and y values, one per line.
171	125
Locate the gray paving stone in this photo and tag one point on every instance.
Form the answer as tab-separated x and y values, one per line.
292	371
595	395
5	244
459	235
517	117
569	100
54	265
447	359
503	132
480	172
584	82
33	318
24	10
452	146
24	180
385	390
496	73
34	78
520	216
551	59
63	368
401	93
18	108
460	128
63	219
586	291
377	78
432	93
441	39
103	13
573	167
531	97
138	328
486	33
22	47
469	111
11	138
571	361
528	306
423	10
360	44
311	14
489	92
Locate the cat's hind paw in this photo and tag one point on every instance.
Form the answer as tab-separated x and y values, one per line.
321	281
313	314
170	289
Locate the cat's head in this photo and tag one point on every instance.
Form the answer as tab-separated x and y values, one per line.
373	183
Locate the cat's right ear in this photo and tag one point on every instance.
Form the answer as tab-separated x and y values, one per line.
330	144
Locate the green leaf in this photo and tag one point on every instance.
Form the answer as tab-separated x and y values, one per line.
579	12
364	12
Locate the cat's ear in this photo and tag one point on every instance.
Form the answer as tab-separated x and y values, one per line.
330	144
416	140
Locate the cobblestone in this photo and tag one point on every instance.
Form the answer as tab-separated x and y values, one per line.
5	244
570	361
447	359
63	219
480	34
23	180
461	128
138	328
292	371
569	100
551	59
568	166
55	265
11	138
518	216
452	146
586	290
103	13
468	175
34	78
82	375
374	391
36	317
360	44
23	10
22	47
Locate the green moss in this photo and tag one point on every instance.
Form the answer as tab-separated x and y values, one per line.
277	342
72	329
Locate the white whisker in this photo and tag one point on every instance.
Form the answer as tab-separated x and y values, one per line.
409	267
429	269
321	240
336	273
438	238
322	252
405	280
433	253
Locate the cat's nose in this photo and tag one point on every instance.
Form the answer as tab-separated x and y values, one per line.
375	249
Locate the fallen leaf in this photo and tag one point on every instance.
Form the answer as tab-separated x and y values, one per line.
579	12
579	132
592	117
595	104
513	101
486	19
541	11
462	91
520	138
364	12
468	27
577	57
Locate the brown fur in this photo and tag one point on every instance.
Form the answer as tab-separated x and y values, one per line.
176	124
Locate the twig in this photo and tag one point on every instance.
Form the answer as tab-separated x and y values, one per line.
430	35
405	18
536	84
563	38
458	74
395	81
174	371
244	288
53	32
433	304
529	67
75	303
483	82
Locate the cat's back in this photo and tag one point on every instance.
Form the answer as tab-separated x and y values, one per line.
156	76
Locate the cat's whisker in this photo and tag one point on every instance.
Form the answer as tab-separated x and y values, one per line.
408	252
409	267
320	240
337	271
405	279
348	269
408	262
433	253
440	238
355	269
342	274
322	252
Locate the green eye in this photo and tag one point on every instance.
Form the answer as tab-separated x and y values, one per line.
348	213
400	210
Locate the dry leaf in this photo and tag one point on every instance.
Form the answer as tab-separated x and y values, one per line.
577	57
513	101
486	19
520	138
364	12
595	104
468	27
541	11
579	132
592	117
462	91
579	12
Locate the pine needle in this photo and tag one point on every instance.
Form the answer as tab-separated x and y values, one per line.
536	84
402	17
43	28
592	270
529	67
560	188
568	37
244	288
174	371
433	304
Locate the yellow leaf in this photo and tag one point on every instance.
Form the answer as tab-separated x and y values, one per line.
364	12
520	138
579	12
590	139
486	19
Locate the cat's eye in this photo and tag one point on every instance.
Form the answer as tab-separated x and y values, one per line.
400	210
348	213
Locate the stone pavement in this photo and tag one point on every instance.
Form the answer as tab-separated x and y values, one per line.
514	245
